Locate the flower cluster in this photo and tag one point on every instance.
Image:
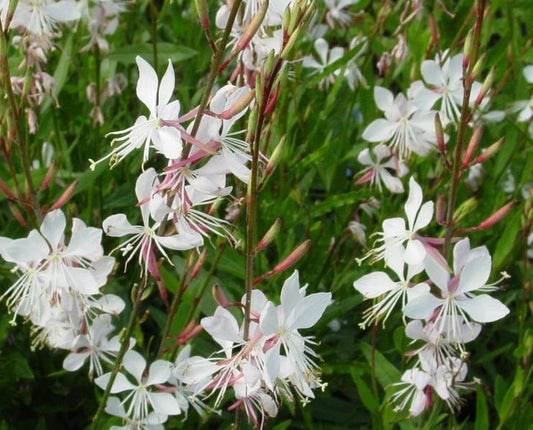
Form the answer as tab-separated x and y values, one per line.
260	368
446	306
59	289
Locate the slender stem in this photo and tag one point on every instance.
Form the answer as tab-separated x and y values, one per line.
15	130
123	349
213	73
463	124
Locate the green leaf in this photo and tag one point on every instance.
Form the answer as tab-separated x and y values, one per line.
482	412
386	373
507	241
165	51
368	399
338	201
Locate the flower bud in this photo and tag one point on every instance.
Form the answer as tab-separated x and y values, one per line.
467	49
440	210
198	265
203	14
275	157
17	215
7	192
478	67
441	145
269	236
490	151
253	27
472	146
67	194
485	88
49	175
242	103
219	296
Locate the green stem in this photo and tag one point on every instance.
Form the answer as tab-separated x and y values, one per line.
213	73
123	349
463	124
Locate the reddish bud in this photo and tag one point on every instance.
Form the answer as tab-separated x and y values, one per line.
203	14
472	146
496	216
67	194
17	215
198	265
7	192
441	144
269	235
253	27
49	175
241	104
490	151
220	297
440	211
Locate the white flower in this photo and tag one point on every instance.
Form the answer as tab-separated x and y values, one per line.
152	131
41	17
141	395
472	269
378	169
406	127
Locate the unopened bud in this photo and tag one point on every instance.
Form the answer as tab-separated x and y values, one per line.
467	49
259	89
191	330
496	216
440	210
49	175
220	297
269	236
242	103
290	43
198	265
290	260
147	292
286	20
490	151
276	156
252	124
472	146
464	209
17	215
478	67
485	88
7	192
271	102
255	24
203	14
434	31
268	65
441	144
67	194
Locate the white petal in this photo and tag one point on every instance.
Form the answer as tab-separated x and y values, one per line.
158	373
374	284
135	364
166	87
475	274
437	273
414	200
424	216
164	404
483	308
528	74
383	98
147	84
74	361
308	311
120	384
53	227
432	73
167	141
415	252
118	225
422	306
379	130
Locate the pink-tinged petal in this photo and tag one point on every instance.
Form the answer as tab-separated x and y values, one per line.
432	73
475	274
421	307
308	311
374	284
415	252
414	200
158	373
438	274
120	384
392	183
135	364
166	87
147	84
383	98
379	130
417	290
53	227
118	225
74	361
483	308
167	141
164	404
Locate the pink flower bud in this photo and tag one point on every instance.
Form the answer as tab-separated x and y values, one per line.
67	194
